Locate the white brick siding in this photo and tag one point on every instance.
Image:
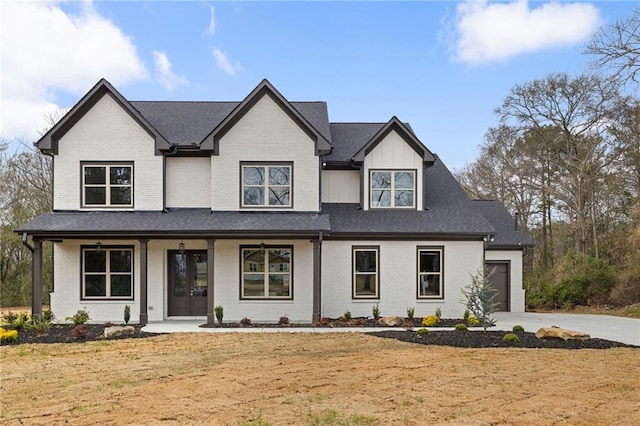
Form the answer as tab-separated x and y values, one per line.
265	133
188	182
393	153
107	133
398	278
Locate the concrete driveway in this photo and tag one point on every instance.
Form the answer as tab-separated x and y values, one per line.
625	330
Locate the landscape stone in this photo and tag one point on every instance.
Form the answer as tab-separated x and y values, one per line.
118	331
391	321
561	333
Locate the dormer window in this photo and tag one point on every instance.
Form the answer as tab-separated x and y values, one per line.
266	185
392	188
107	185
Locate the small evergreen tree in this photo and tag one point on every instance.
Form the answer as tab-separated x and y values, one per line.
478	295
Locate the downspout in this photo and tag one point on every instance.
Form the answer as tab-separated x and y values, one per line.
26	244
172	151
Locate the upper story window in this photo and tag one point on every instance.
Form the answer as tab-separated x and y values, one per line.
393	188
107	185
266	185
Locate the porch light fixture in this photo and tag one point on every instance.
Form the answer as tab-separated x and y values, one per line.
262	247
98	246
181	247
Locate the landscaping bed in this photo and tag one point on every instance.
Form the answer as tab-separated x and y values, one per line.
63	333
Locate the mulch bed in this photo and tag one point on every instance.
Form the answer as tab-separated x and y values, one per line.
493	339
62	333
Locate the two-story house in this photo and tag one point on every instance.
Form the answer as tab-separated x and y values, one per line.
261	206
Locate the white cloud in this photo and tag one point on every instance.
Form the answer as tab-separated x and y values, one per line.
224	64
486	32
212	22
46	51
164	75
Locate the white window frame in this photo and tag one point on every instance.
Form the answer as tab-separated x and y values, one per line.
355	273
107	185
423	275
392	189
266	273
107	273
265	185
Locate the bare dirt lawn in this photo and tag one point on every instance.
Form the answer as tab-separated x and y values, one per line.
317	379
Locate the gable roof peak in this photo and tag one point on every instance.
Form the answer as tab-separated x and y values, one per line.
49	141
402	129
264	88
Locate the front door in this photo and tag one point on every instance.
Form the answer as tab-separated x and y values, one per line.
187	283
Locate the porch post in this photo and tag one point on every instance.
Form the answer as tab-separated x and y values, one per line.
143	282
211	316
36	278
317	286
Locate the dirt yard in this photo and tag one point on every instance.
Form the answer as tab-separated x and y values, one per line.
315	379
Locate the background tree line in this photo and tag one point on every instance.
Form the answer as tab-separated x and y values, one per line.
565	156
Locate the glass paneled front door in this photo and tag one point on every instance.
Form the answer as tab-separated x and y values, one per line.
187	283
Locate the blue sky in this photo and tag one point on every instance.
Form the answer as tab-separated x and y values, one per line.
442	66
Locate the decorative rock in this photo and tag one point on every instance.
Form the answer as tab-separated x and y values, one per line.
561	333
391	321
118	331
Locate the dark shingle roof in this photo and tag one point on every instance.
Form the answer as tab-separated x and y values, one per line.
348	138
199	222
507	234
188	123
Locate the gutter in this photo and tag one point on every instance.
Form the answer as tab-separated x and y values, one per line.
25	242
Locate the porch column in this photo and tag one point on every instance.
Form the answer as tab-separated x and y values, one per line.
36	278
317	286
143	282
211	316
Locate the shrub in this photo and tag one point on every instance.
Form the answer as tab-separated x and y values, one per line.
472	320
79	318
80	331
518	328
284	320
478	295
429	321
411	313
8	335
245	322
16	321
127	314
465	316
439	313
422	331
461	327
47	315
347	315
375	311
39	324
219	311
511	338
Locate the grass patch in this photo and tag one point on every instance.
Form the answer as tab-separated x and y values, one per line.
331	417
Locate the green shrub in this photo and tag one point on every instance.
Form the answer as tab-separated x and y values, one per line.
80	317
411	313
127	314
518	328
439	313
430	321
219	311
16	321
478	298
461	327
375	311
465	316
40	324
422	331
511	338
47	315
347	315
